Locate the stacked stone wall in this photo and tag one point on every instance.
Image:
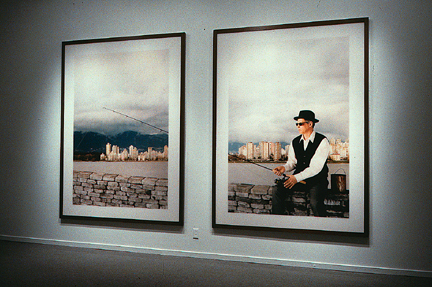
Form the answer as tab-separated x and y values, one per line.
249	198
102	189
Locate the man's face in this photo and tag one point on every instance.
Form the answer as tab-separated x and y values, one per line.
303	126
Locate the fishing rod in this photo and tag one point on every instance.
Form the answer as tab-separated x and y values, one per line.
132	118
162	130
249	161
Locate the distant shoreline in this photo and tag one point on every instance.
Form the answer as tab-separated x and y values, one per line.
120	160
281	162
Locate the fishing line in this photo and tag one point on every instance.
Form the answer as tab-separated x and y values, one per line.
132	118
162	130
249	161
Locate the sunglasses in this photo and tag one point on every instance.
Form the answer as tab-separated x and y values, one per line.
300	124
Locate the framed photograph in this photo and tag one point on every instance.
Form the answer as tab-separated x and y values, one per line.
123	128
290	127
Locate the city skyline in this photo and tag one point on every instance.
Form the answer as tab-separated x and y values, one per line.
112	153
264	150
90	142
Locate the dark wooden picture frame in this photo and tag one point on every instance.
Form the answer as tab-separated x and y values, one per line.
262	77
123	124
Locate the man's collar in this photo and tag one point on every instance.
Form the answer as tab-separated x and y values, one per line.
311	138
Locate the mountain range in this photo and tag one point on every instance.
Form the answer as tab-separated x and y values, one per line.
93	142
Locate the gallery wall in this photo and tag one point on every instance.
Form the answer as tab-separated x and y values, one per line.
399	115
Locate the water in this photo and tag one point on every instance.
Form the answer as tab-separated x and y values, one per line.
238	172
157	169
252	174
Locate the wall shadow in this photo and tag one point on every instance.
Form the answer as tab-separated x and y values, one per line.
137	225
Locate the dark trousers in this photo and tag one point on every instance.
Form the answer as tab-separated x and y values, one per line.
316	192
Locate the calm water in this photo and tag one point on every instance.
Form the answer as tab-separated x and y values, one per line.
250	173
157	169
238	172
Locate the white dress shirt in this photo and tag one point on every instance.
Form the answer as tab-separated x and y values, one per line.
317	162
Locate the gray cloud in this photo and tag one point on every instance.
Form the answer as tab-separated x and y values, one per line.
135	84
271	79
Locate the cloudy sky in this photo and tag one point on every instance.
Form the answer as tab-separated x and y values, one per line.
271	77
132	83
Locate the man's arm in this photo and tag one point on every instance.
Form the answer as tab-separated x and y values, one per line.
292	160
317	161
289	166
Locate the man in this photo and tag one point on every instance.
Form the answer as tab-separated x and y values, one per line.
307	157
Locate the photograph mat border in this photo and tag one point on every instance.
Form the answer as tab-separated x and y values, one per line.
356	30
176	44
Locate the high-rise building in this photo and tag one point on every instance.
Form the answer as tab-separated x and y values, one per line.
250	147
165	153
108	149
243	150
266	151
256	151
271	148
339	150
261	149
115	153
277	154
133	153
124	155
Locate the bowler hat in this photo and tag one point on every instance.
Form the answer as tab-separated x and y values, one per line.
307	115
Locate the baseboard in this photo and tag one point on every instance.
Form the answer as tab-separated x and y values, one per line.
228	257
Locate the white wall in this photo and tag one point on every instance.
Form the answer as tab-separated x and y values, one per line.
400	101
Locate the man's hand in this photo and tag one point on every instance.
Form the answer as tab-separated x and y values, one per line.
289	183
279	170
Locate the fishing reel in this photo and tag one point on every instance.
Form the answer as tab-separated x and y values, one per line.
280	180
280	183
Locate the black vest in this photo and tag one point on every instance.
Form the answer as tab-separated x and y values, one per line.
304	158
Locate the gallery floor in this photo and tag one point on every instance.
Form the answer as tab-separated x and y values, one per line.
30	264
